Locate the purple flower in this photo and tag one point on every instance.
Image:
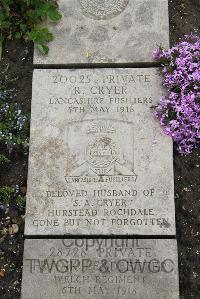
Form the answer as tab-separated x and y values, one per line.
157	54
179	111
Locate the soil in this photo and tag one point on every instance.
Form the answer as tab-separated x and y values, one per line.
17	63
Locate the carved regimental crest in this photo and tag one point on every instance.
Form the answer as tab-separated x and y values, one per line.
103	150
102	9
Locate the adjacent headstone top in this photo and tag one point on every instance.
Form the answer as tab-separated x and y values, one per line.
100	268
112	31
99	163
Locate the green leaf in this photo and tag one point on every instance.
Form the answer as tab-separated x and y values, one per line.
4	159
38	11
40	35
1	46
21	201
54	14
4	21
43	48
23	18
18	35
23	27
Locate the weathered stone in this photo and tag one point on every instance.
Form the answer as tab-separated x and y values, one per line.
100	268
114	31
99	163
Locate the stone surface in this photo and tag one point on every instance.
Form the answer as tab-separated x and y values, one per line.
112	31
99	268
99	163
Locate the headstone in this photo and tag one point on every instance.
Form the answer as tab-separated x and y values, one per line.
100	268
99	163
112	31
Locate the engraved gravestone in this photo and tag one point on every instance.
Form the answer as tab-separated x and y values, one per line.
99	163
112	31
100	268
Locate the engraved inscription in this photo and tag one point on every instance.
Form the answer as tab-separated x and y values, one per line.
100	268
102	9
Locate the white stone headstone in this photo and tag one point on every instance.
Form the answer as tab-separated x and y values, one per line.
100	268
112	31
99	163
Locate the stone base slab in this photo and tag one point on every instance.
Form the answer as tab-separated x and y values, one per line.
100	268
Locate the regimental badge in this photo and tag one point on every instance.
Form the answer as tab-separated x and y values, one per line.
102	149
102	9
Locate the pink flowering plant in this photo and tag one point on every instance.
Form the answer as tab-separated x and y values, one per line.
179	111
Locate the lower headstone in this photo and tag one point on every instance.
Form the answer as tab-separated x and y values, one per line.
100	268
